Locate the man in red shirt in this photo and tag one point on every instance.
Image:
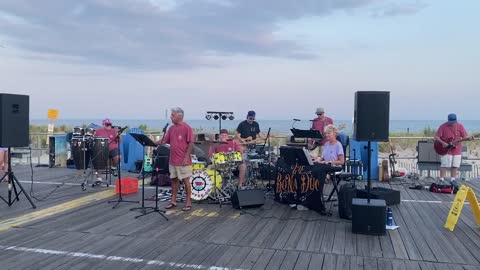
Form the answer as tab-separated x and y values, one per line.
113	140
451	132
319	124
180	138
231	146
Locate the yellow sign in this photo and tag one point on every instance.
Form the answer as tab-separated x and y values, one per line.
52	114
464	193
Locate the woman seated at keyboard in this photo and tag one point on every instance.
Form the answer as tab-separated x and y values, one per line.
332	150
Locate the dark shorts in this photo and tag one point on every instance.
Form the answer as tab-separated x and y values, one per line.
113	153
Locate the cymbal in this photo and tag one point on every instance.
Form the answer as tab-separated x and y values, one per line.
209	142
218	142
253	142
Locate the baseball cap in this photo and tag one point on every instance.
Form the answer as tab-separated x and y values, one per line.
452	118
320	110
251	114
106	121
222	131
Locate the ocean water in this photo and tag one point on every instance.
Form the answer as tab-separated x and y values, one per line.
276	126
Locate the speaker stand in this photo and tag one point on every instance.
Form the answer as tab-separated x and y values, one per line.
12	185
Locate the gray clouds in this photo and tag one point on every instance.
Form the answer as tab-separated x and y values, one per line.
160	34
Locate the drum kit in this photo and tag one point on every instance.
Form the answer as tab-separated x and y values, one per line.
90	152
215	180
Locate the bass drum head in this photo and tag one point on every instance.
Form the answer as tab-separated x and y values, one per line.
202	183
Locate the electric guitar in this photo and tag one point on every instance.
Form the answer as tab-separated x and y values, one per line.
249	140
443	150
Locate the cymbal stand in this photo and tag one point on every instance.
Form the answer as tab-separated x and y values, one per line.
216	190
85	151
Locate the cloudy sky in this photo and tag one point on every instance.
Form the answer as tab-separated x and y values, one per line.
282	58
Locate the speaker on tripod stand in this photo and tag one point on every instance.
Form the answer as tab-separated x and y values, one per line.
14	132
371	123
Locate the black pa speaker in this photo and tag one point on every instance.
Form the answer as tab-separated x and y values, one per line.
369	217
248	198
371	116
345	196
14	120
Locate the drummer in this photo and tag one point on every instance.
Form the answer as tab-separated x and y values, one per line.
230	146
113	141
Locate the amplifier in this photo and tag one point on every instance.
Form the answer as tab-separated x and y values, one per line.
426	153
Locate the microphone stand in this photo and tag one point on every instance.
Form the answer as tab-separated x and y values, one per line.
268	157
120	197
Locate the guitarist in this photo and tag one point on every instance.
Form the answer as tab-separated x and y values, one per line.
449	134
248	130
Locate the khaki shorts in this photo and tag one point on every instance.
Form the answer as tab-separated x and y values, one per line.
449	161
180	172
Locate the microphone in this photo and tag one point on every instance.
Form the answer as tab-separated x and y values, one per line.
165	128
295	119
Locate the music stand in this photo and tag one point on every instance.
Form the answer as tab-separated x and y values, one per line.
295	155
306	133
146	141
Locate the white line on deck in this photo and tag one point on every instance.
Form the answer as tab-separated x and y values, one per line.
72	184
114	258
422	201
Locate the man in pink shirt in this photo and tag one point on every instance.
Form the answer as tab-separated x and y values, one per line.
113	140
232	145
180	138
451	132
319	124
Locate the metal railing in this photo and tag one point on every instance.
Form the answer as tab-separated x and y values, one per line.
407	162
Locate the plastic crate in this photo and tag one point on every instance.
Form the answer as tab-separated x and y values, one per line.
129	186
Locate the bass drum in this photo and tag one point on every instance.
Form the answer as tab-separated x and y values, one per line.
100	153
202	182
80	152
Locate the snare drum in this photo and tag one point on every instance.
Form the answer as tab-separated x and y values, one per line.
198	165
80	152
100	153
202	182
78	131
234	157
219	158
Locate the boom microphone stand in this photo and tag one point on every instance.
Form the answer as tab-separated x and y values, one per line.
120	198
12	182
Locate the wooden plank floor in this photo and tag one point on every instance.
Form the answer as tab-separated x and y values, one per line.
95	236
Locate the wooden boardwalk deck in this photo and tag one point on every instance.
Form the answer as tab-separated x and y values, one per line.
95	236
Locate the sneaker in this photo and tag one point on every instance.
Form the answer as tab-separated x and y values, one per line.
454	182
